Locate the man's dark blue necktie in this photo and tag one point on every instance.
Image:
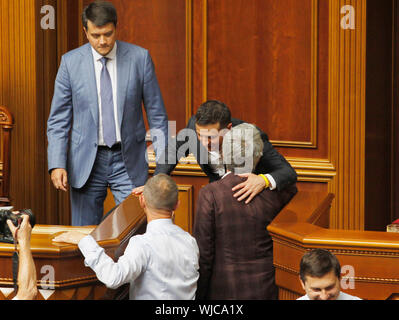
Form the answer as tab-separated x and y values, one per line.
107	105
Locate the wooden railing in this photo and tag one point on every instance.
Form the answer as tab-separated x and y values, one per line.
60	268
371	257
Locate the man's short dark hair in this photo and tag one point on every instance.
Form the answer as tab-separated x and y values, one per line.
212	112
161	192
317	263
99	13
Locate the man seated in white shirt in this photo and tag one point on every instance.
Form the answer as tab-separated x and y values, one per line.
320	276
160	264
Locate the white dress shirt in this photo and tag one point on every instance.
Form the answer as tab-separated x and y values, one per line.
341	296
112	69
161	264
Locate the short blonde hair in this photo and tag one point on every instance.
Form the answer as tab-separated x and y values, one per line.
161	192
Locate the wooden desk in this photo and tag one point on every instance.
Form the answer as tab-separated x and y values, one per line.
301	226
61	273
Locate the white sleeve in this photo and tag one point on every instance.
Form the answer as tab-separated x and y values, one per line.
273	183
114	274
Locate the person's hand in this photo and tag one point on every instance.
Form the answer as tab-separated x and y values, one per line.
59	178
72	237
137	191
249	188
24	232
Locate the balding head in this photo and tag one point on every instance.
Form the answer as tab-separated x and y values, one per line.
161	193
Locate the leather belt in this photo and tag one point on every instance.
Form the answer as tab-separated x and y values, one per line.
115	147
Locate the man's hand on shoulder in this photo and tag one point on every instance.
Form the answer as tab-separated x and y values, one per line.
59	178
249	188
138	191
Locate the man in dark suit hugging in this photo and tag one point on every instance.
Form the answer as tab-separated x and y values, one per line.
236	251
203	137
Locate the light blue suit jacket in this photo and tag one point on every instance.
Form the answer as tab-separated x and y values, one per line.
72	127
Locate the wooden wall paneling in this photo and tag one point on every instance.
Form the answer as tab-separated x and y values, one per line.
47	53
19	92
196	184
200	42
38	133
312	186
318	88
168	41
184	213
46	61
286	260
347	53
189	60
313	166
274	44
379	115
313	68
395	115
68	25
313	170
261	67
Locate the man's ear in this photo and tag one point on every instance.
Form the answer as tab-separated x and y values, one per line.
223	131
302	284
142	201
177	205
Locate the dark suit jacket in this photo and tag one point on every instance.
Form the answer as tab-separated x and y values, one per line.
236	251
271	161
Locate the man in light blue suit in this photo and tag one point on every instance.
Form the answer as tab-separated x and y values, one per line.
96	133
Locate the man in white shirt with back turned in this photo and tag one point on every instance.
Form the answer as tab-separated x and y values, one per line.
161	264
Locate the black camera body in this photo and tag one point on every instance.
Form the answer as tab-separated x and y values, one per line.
16	219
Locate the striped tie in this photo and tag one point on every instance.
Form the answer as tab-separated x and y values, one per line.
107	105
